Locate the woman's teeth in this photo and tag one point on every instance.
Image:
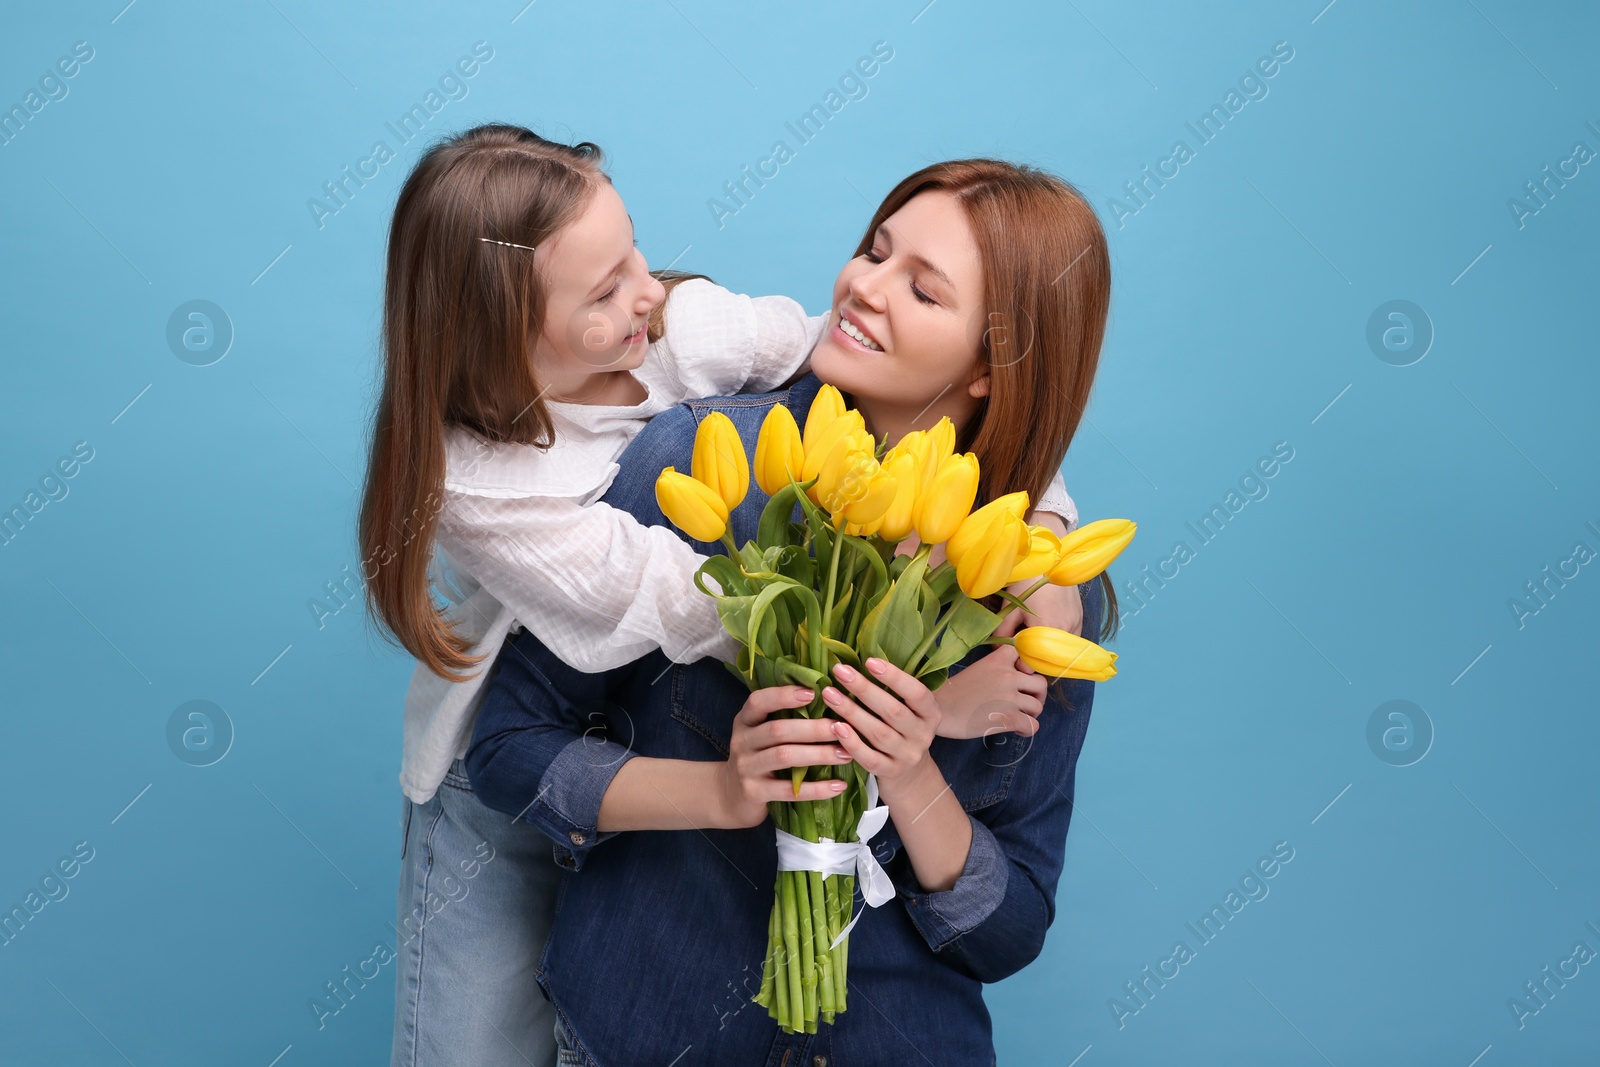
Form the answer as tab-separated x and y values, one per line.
850	331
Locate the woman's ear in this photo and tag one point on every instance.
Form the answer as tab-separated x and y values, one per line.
979	386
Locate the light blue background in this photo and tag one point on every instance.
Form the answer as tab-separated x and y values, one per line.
1379	567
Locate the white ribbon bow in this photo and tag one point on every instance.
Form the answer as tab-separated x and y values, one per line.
844	857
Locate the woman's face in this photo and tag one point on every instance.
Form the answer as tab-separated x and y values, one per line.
908	321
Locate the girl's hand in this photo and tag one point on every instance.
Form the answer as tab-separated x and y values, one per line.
890	735
993	695
1054	605
760	748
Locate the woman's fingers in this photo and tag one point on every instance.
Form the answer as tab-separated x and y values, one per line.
878	733
782	757
908	693
783	790
763	702
870	758
790	732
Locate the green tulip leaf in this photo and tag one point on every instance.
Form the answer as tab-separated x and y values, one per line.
970	625
836	619
776	527
734	611
943	581
799	674
841	650
726	573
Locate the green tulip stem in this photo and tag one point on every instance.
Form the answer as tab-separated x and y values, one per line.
833	585
727	539
915	662
1035	587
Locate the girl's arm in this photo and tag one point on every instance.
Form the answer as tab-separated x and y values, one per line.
596	586
718	342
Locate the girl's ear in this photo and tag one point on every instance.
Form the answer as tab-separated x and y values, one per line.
979	386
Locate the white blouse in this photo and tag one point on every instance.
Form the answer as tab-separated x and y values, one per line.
524	538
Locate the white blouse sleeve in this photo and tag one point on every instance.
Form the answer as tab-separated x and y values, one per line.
597	587
1056	501
718	342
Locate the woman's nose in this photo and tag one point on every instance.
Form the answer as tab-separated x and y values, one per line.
866	288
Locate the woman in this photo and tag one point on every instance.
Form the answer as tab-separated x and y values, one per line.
979	292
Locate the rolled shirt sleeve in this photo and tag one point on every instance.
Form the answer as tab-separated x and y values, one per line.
541	750
944	916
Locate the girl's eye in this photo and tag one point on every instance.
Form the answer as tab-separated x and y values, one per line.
920	295
872	256
616	285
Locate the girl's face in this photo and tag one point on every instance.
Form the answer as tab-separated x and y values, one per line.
599	295
908	321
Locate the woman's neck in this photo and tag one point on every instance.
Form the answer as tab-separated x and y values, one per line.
884	417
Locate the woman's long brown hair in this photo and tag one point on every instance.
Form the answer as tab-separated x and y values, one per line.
461	307
1047	293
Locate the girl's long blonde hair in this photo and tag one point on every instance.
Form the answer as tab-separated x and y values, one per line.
462	305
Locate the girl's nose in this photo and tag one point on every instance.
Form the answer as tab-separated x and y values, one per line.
651	296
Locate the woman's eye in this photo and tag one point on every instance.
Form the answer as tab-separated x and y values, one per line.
872	256
920	295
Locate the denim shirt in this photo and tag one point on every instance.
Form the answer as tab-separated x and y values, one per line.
660	936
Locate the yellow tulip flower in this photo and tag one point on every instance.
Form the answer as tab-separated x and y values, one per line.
1088	550
818	447
719	461
914	444
900	515
828	405
989	561
941	445
977	524
947	498
1060	654
879	494
779	451
691	505
1043	551
846	472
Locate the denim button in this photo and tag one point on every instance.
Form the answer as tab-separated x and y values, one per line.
819	1061
577	837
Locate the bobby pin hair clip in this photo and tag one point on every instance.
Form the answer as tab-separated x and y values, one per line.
508	244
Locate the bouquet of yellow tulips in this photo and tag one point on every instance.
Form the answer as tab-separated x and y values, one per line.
805	596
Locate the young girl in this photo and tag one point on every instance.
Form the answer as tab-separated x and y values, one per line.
525	344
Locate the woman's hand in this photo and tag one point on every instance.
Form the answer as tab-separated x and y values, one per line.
994	695
761	747
890	735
